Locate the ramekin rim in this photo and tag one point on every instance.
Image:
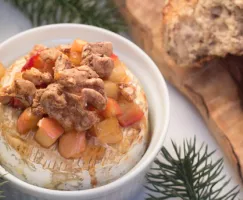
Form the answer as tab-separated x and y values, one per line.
119	182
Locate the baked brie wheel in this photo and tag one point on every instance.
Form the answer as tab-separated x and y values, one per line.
72	117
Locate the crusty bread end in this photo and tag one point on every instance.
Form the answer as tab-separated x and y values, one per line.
199	30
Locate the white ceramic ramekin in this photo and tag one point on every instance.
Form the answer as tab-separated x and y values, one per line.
145	70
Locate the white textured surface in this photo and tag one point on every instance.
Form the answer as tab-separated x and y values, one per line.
185	121
12	21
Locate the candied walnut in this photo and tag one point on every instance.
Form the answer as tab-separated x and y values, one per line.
104	48
75	76
62	62
48	58
66	99
70	109
92	97
22	90
37	77
75	79
96	84
85	119
53	97
128	91
50	54
102	65
65	48
24	87
37	109
97	57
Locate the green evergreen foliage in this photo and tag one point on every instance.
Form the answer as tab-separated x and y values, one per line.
2	182
190	175
102	13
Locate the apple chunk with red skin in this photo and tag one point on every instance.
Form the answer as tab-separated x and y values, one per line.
72	144
112	109
131	113
49	131
27	121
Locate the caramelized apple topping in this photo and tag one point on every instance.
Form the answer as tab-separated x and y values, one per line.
71	90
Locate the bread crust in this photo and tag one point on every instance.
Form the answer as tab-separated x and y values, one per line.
196	31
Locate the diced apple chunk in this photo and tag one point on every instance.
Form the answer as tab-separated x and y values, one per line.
72	144
112	109
27	121
118	74
78	45
48	133
131	113
75	57
34	61
111	89
109	131
114	57
44	139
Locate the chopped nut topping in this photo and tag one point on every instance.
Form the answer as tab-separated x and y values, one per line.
37	77
65	91
128	91
97	57
22	90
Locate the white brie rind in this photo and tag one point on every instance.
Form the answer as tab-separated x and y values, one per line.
99	165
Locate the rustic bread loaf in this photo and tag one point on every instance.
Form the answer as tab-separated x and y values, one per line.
198	30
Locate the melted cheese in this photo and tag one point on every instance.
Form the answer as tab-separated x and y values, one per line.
99	165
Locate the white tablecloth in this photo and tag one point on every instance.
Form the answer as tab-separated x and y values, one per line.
185	121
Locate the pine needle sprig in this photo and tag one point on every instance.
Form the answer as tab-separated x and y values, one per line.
2	182
93	12
189	175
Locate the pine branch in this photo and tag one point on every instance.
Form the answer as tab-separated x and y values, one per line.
2	182
102	13
190	175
